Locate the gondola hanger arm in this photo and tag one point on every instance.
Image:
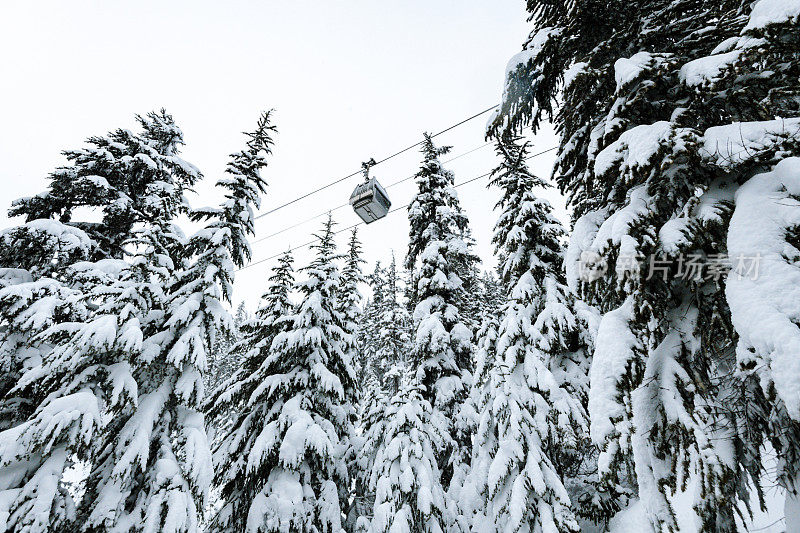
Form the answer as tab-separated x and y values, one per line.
366	166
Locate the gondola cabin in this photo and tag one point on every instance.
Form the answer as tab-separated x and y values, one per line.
370	201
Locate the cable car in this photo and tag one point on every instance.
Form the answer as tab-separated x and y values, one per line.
369	199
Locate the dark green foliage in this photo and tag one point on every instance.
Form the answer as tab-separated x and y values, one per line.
632	96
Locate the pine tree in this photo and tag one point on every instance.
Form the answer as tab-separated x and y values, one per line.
493	298
350	302
492	295
365	445
296	468
35	294
44	432
393	335
132	178
244	398
668	138
390	324
154	470
135	305
350	298
368	364
471	306
84	311
226	354
529	417
405	474
442	350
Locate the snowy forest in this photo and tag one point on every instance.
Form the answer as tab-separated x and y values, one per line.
635	368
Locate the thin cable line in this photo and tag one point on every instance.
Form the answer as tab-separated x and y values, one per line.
406	149
338	207
309	243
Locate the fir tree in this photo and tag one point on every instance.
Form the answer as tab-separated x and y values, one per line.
351	312
35	294
405	474
667	117
350	295
85	313
244	397
394	324
389	323
364	447
442	349
442	352
53	429
529	418
226	354
492	296
131	178
155	467
296	468
369	333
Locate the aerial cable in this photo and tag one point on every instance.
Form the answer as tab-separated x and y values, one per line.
309	243
338	207
406	149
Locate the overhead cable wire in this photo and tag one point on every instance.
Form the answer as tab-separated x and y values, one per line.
338	207
309	243
342	206
339	180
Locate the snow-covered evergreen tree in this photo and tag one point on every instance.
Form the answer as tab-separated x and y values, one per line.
352	313
368	365
130	178
671	115
35	294
442	348
57	421
385	330
492	295
531	416
154	468
226	354
350	299
394	324
83	312
243	398
296	474
405	474
441	353
390	327
365	445
472	302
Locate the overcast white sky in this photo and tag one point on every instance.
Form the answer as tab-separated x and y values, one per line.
349	80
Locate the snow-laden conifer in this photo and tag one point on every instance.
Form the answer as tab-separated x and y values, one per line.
85	311
405	474
350	298
369	332
365	444
352	314
156	468
296	466
226	355
666	112
243	399
441	353
394	326
129	177
531	416
391	330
